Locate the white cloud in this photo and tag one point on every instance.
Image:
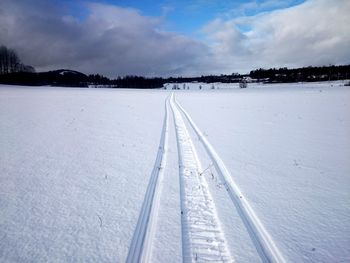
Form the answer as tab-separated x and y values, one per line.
313	33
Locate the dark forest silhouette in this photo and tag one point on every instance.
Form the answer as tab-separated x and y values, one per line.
12	71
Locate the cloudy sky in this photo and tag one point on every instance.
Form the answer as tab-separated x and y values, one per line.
176	37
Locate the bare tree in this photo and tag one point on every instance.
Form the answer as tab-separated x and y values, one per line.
10	62
3	60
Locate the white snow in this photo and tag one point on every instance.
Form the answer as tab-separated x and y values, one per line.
288	149
75	165
67	72
69	157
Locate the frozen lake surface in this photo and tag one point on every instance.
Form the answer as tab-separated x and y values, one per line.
77	168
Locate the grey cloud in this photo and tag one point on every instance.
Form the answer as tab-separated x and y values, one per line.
110	40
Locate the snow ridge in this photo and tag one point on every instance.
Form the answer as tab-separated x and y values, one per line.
202	235
263	242
141	244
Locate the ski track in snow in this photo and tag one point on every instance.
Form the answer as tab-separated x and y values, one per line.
203	239
202	236
141	244
263	242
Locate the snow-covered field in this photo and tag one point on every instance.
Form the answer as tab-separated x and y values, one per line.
106	175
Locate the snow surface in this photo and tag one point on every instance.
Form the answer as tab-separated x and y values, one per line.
74	168
75	165
288	148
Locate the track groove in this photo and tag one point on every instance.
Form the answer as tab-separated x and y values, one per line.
140	247
202	237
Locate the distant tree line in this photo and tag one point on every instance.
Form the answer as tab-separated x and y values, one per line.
136	82
98	79
301	74
127	82
10	62
272	75
12	71
232	78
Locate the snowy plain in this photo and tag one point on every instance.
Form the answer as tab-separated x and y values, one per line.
75	165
